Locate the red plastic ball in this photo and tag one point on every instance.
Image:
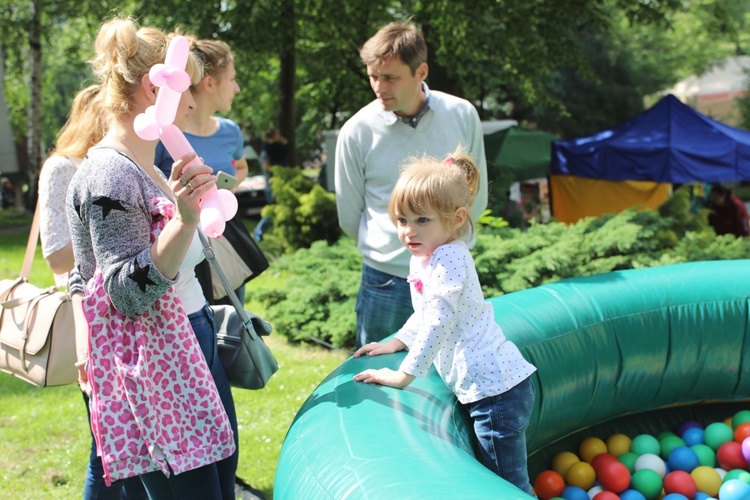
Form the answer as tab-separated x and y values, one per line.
549	484
606	495
600	459
614	476
741	432
729	455
681	482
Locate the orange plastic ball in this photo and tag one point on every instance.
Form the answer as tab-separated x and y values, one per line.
741	432
600	460
562	462
549	484
582	475
591	447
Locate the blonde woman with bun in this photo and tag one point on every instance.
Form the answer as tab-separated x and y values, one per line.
156	405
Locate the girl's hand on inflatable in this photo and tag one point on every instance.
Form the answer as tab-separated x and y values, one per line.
376	348
385	376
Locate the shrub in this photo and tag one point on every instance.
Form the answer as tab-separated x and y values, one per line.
319	297
304	212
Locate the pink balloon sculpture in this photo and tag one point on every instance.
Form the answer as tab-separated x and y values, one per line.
218	205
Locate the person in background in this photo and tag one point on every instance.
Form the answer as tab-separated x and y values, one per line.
86	125
275	152
159	406
728	213
453	327
7	195
218	141
405	119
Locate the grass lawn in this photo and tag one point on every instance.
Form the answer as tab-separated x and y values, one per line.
44	435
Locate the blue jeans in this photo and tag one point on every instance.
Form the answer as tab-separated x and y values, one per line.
383	305
94	487
213	481
500	424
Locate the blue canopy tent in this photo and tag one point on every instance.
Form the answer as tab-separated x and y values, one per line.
668	143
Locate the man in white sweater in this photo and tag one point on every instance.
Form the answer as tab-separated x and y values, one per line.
407	119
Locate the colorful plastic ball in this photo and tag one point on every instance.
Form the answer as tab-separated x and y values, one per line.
581	474
549	484
649	461
670	443
562	462
628	459
645	443
683	458
706	456
647	482
707	480
703	496
729	455
574	493
688	424
606	495
594	490
692	436
717	434
734	489
601	459
614	476
617	444
676	496
742	432
632	494
591	447
681	482
746	448
742	475
740	417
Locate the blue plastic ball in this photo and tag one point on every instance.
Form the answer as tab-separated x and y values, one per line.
574	493
683	458
632	495
675	496
693	435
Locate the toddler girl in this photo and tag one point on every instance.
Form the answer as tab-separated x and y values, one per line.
452	326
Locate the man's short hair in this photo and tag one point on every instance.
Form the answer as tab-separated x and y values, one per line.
402	40
721	189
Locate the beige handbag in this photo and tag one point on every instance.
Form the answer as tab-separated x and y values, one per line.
37	333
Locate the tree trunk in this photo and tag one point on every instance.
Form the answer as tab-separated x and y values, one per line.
35	102
287	81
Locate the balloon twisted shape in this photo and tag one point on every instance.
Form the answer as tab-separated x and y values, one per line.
217	205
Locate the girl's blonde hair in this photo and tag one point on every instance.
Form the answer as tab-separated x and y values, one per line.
441	185
123	54
85	126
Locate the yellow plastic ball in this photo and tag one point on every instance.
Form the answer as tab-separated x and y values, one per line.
618	444
591	447
582	475
562	462
707	479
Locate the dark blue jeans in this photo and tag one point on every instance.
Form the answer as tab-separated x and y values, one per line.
500	424
383	305
94	487
214	481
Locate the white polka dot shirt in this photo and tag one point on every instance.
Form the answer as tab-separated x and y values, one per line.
454	328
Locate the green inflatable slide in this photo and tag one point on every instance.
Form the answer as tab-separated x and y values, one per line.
636	351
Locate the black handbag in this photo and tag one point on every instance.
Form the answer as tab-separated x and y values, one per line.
247	360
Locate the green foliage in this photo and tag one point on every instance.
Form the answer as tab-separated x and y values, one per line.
316	299
317	296
304	212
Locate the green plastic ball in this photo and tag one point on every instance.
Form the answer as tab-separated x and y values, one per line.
648	483
628	460
717	434
741	417
737	474
668	444
645	443
706	456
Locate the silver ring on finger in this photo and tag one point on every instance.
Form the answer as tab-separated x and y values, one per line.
187	184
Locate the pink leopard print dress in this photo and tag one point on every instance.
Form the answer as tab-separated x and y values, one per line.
154	404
